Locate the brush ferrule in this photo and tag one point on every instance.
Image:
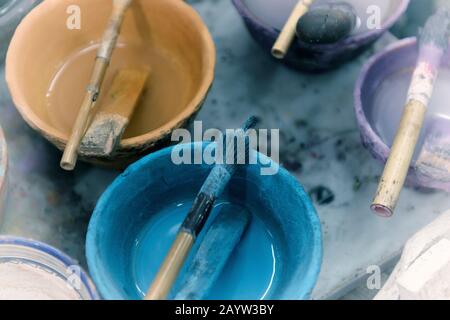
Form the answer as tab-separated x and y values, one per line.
94	91
422	83
196	219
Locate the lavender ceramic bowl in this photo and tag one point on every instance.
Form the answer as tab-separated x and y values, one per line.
395	59
316	58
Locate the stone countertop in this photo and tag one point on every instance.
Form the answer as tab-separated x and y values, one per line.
320	145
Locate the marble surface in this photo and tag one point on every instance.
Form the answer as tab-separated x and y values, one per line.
320	145
11	12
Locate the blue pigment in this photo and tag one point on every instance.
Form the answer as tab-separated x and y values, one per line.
249	273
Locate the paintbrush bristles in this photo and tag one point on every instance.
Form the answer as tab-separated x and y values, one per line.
250	123
436	29
238	146
115	112
236	152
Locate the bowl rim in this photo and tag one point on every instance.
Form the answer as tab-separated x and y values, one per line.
106	287
4	164
380	149
55	253
244	11
208	64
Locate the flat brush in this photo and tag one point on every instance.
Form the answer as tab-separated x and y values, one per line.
215	250
212	188
114	115
433	43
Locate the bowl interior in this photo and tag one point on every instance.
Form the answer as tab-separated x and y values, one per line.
53	52
384	93
275	13
388	65
137	218
36	254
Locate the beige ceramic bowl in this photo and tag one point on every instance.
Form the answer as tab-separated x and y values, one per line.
53	50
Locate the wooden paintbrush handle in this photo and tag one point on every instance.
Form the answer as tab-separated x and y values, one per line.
399	160
104	54
193	224
171	267
113	30
286	36
69	158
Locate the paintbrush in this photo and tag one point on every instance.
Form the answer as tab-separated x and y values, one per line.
287	34
216	248
212	188
115	112
433	43
102	61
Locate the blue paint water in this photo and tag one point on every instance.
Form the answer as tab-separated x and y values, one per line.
249	273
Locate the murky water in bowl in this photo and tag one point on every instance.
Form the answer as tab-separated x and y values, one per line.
167	91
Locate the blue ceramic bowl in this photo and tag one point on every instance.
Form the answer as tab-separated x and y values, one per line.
124	253
316	58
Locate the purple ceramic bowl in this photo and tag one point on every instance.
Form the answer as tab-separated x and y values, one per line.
394	58
316	58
